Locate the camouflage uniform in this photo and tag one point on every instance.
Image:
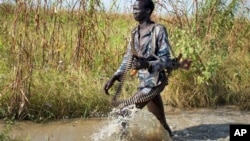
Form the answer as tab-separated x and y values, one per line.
150	78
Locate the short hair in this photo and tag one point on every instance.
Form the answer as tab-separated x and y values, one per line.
148	4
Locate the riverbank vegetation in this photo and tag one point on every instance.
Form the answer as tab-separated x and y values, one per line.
54	60
5	134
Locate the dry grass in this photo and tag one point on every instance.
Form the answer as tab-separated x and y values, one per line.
54	63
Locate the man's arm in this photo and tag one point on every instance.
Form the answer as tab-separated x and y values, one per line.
162	51
117	75
125	60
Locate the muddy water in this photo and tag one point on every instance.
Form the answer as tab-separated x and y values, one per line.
141	126
63	130
191	125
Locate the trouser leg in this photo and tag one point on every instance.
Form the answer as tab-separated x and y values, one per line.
156	107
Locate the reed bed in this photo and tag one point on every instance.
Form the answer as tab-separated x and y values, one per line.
55	60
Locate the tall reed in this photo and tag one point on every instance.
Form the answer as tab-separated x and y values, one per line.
56	59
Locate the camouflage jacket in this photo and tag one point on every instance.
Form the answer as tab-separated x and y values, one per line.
148	49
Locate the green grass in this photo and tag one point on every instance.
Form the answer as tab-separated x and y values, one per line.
55	95
5	134
54	65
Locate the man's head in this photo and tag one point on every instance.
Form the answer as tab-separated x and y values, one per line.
142	9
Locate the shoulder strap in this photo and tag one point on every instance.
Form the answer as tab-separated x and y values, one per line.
132	42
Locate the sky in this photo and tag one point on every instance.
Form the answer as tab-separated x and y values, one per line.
126	5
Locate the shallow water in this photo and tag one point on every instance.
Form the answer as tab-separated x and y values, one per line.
138	126
187	125
141	126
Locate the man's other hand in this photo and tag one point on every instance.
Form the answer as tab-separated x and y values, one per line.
110	83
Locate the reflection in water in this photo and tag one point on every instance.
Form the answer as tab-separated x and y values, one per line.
137	125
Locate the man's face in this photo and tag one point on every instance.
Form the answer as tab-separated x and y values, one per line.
139	12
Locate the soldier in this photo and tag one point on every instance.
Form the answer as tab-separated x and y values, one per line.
150	68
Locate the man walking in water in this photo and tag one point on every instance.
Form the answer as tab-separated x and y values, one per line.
149	37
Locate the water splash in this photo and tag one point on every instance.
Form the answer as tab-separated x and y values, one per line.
131	124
